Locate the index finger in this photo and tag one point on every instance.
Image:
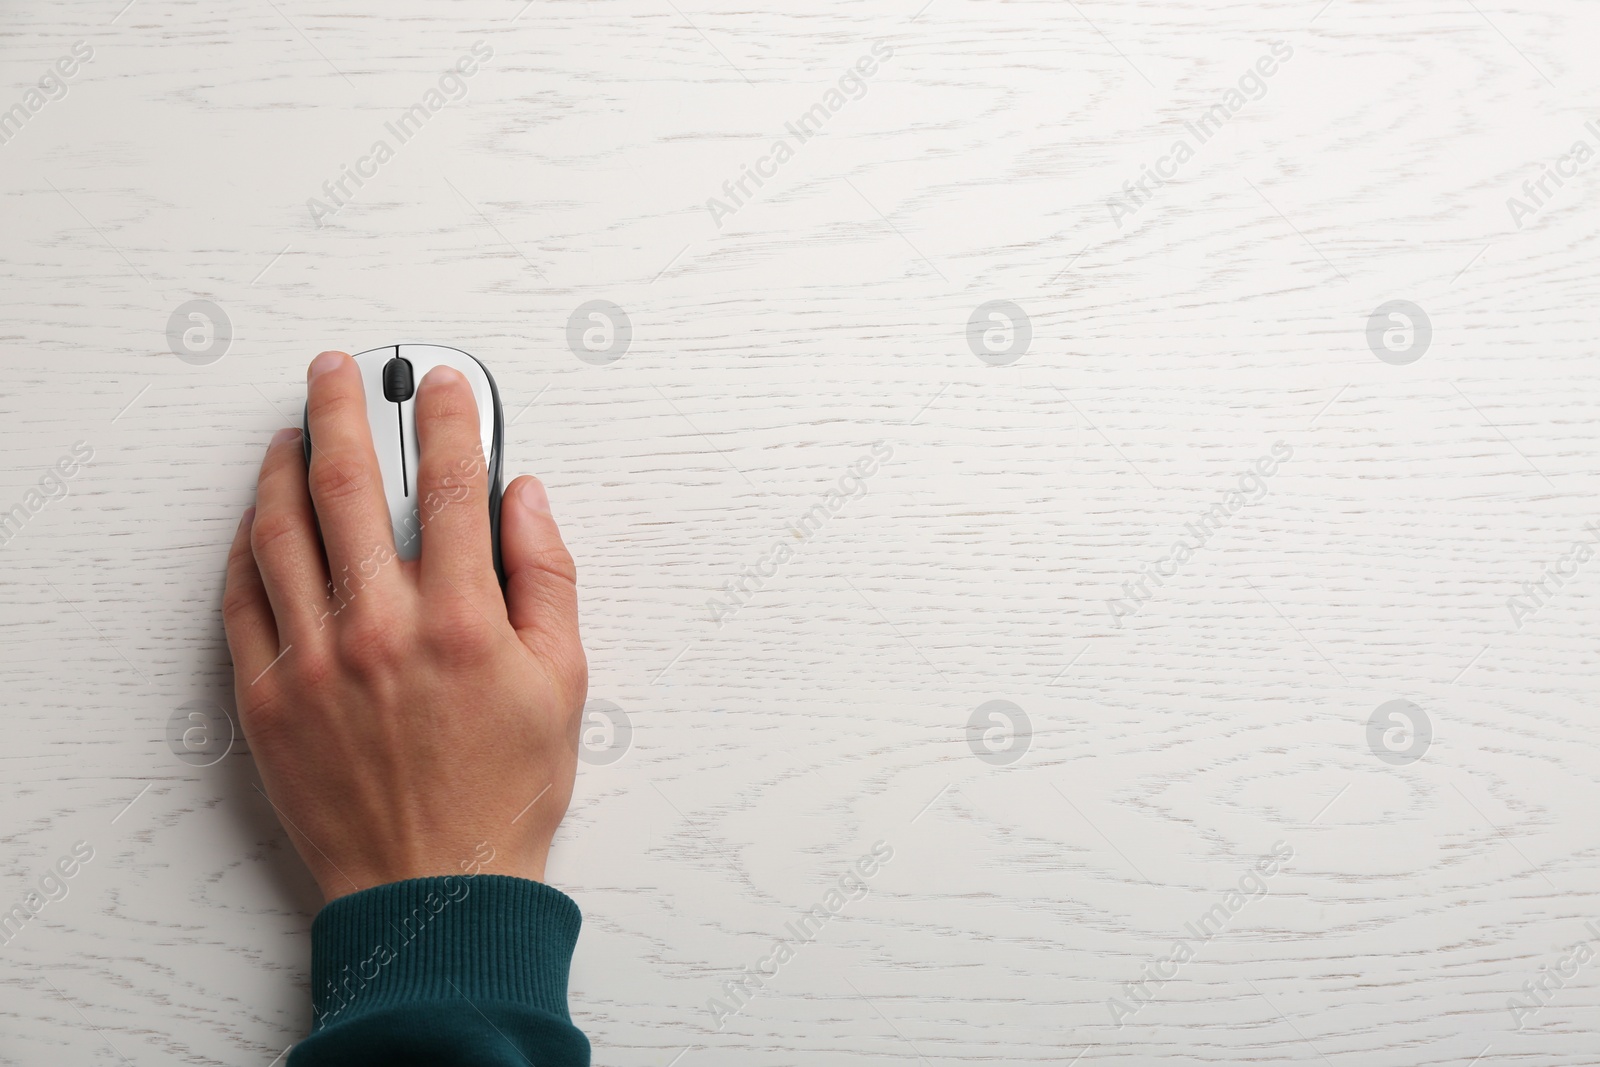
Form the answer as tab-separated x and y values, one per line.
345	480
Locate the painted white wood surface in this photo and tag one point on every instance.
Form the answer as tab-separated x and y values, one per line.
768	354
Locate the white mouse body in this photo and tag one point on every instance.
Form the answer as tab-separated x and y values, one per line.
392	375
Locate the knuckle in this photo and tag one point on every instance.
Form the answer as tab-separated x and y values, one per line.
281	461
352	582
271	704
459	635
445	482
269	531
313	668
338	477
237	603
323	404
260	710
238	553
553	560
369	643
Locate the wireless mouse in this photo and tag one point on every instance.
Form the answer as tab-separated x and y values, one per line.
391	376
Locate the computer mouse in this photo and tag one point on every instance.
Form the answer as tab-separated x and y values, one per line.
391	376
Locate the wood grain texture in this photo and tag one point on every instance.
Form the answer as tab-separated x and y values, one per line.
1166	755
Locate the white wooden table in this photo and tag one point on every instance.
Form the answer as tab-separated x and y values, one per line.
1164	341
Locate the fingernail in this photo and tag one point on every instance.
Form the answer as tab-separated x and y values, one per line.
323	364
249	516
443	375
533	497
288	433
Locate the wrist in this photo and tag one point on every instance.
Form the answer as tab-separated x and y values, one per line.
342	881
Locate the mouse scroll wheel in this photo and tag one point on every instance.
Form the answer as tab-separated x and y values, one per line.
397	382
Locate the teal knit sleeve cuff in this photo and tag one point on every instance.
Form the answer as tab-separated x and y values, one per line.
447	955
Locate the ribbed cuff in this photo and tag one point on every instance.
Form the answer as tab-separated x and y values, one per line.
485	937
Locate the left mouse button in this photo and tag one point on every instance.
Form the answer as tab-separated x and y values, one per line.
398	383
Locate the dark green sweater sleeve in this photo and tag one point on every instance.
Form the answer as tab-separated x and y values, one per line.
459	970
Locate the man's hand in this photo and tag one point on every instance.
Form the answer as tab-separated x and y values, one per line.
407	719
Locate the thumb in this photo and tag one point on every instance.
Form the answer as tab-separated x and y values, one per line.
541	578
